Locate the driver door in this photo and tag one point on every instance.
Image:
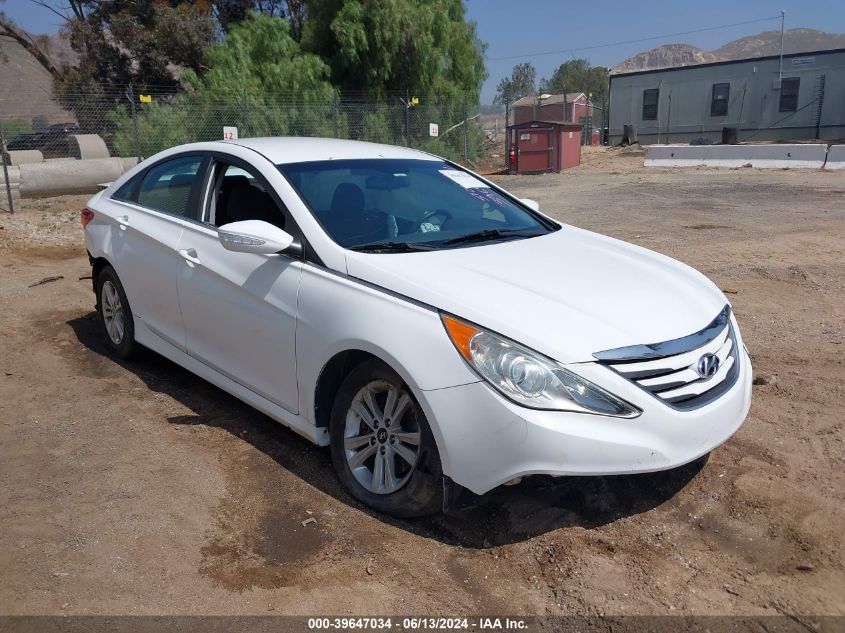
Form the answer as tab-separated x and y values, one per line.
239	309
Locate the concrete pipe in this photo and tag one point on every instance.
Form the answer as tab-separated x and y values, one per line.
14	184
85	146
56	178
22	156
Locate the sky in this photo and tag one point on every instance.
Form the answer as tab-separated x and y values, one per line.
514	29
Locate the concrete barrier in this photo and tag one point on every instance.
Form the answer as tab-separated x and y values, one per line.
774	156
835	157
56	178
85	146
21	156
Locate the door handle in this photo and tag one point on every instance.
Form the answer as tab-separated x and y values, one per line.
123	221
190	255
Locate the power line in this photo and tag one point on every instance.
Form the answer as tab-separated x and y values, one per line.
644	39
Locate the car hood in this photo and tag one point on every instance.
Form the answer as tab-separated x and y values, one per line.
567	294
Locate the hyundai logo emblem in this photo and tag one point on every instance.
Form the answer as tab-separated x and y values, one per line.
707	365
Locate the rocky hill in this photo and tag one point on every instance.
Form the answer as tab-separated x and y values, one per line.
26	88
667	56
760	45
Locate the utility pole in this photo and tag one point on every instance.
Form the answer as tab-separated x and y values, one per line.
780	63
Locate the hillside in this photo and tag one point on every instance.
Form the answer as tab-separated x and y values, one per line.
760	45
26	88
667	56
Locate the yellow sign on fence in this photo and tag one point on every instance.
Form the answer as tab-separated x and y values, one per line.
145	98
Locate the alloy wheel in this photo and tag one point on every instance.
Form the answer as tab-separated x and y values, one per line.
113	316
382	437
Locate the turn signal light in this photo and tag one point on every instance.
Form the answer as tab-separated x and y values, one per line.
86	216
461	333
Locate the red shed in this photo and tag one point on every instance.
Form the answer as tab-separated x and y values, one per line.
535	147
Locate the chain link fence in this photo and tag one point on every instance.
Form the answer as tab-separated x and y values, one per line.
132	123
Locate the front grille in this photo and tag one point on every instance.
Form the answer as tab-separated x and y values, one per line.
669	370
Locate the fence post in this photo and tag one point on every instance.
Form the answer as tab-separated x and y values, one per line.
507	133
130	94
407	120
6	171
604	119
334	115
245	112
466	134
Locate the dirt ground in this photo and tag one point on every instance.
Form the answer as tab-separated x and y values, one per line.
136	488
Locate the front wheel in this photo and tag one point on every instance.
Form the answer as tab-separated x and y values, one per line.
381	444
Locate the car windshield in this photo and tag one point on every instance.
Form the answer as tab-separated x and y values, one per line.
389	205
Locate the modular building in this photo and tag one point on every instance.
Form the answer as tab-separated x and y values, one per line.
800	97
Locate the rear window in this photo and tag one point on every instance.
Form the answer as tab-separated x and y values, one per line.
128	191
167	186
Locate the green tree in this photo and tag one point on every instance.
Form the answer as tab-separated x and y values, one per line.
578	75
519	84
230	12
139	42
259	56
257	78
415	46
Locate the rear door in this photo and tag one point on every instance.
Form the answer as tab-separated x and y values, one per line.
150	212
239	308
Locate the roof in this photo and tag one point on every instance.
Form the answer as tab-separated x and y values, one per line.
531	100
296	149
538	123
727	62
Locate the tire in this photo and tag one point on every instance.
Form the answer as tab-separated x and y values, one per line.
115	315
408	482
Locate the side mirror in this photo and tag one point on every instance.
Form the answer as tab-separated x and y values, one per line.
254	236
531	204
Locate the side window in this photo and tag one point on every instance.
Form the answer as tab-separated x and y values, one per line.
167	186
650	99
719	100
128	191
239	195
789	93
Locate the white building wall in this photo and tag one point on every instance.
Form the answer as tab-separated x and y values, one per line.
753	105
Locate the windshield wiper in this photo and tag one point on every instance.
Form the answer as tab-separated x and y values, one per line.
491	234
406	247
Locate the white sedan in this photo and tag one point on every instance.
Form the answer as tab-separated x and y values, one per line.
425	324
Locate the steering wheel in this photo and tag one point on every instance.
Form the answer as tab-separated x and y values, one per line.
432	214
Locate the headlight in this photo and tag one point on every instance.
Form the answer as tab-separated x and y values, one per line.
528	378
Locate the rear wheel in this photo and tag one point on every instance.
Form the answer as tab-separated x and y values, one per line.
115	315
381	444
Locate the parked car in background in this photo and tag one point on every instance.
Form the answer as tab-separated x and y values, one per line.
413	316
27	140
54	137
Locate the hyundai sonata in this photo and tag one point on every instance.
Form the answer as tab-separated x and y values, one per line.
416	318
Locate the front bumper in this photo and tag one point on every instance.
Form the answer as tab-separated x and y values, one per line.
485	440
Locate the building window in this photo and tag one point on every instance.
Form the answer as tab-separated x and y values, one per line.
650	99
789	94
719	102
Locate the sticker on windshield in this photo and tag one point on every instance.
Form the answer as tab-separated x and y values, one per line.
465	180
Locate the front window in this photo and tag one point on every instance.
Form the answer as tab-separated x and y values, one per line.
404	205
